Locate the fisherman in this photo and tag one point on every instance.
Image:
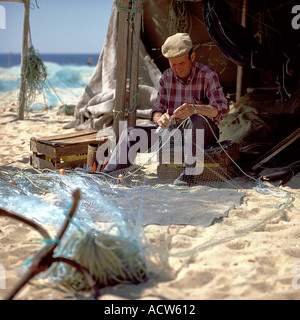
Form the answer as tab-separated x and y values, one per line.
190	97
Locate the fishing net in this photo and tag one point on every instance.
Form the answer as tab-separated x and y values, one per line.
130	225
179	17
34	76
47	80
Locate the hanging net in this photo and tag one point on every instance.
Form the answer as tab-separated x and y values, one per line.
45	80
34	75
179	17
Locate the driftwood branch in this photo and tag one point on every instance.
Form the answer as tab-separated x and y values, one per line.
31	223
44	259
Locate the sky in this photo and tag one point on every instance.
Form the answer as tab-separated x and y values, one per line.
57	26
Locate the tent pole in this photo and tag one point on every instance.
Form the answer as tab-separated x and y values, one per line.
240	69
24	60
134	70
121	74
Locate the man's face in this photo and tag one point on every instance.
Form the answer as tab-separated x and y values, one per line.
182	66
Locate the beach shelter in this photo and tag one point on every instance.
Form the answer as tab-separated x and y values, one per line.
152	22
131	55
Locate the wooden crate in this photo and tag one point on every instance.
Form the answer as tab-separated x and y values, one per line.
217	165
62	151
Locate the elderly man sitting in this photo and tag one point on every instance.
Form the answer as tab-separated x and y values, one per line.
190	97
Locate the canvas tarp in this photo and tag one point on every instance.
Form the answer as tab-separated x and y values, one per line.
95	109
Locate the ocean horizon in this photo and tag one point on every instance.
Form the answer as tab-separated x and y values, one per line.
8	60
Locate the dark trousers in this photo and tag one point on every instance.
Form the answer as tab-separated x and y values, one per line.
144	139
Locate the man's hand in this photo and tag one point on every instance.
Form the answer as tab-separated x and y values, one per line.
163	121
156	116
184	111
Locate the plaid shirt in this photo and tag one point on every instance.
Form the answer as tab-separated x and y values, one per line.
202	87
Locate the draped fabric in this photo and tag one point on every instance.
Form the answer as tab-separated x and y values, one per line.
95	109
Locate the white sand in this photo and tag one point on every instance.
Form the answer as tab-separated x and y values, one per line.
249	255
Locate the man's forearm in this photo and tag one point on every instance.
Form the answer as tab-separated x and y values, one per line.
207	110
186	110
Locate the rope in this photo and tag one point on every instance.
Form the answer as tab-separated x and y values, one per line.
47	85
110	260
284	88
179	17
257	20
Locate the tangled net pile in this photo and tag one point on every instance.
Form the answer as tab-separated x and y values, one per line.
110	260
179	17
109	235
34	75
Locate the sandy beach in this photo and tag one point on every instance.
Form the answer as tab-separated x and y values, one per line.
253	253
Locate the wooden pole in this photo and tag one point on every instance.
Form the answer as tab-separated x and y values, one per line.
122	59
22	101
278	148
9	60
134	70
240	69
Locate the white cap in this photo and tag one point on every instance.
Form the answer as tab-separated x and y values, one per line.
177	45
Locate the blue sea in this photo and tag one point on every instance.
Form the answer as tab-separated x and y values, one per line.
14	59
65	72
